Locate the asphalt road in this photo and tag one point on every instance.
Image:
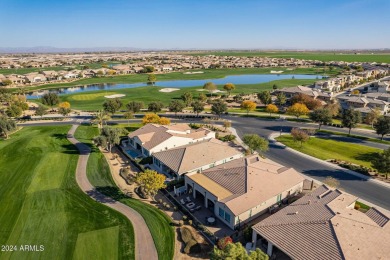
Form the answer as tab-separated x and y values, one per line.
369	191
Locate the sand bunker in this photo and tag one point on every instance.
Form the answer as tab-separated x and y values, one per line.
167	90
115	96
214	91
193	72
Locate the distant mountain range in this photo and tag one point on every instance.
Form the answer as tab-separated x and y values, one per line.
49	49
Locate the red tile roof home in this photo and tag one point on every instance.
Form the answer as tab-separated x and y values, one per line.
325	225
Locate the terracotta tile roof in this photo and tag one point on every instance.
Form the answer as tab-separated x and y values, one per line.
193	156
325	225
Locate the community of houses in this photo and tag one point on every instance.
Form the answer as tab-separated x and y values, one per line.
238	188
128	63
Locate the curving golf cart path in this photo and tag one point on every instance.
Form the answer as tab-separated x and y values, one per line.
144	244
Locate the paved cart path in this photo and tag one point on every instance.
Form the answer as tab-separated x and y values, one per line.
144	244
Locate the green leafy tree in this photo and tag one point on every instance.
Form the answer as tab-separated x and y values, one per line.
255	143
151	181
41	111
135	106
6	126
202	97
50	99
155	106
176	106
235	251
321	116
372	117
112	135
299	135
382	162
265	97
148	69
350	118
187	98
274	87
152	79
5	95
128	115
210	87
197	107
219	107
229	87
281	98
14	111
112	105
101	141
64	111
382	126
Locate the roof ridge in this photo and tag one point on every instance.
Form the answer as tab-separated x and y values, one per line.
181	160
319	221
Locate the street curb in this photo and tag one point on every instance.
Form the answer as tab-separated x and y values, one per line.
356	174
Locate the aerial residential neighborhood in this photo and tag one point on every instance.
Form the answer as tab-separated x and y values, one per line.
186	130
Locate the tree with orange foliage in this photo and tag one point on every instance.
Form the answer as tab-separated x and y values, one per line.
248	106
298	110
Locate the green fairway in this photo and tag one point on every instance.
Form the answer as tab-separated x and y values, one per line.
41	203
322	56
100	176
329	149
93	100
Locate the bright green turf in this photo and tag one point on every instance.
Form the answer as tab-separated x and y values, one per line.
41	203
330	149
322	56
107	238
100	176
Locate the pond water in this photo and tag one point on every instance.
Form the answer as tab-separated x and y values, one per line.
236	79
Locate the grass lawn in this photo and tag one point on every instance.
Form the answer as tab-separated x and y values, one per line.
93	100
41	203
375	140
100	176
329	149
363	126
322	56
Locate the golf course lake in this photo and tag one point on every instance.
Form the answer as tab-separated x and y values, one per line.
235	79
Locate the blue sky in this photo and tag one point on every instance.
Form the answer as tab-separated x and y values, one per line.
326	24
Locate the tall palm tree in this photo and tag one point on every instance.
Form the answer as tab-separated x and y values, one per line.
100	118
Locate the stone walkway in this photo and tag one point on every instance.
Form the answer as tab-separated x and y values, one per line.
144	244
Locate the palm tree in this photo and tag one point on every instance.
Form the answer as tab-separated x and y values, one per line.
100	118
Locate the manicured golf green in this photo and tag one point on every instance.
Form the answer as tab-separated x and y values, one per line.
93	100
100	176
329	149
41	203
322	56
